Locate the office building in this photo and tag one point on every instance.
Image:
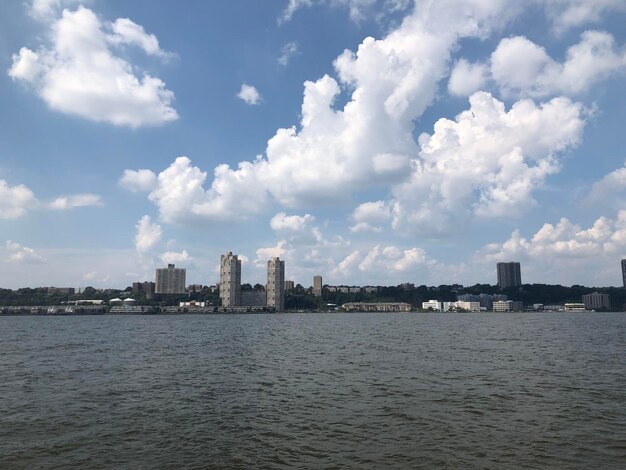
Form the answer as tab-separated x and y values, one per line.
624	272
289	285
509	275
317	286
230	280
276	284
170	280
597	301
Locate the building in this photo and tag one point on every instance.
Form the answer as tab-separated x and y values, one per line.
230	280
461	305
289	285
253	298
276	284
508	306
431	304
371	289
597	301
170	280
354	289
624	272
574	307
317	286
509	275
195	288
407	286
146	287
376	307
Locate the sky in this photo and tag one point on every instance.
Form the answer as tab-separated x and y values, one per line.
374	142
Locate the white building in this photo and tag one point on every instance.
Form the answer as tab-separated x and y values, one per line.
230	280
276	284
461	305
432	304
170	280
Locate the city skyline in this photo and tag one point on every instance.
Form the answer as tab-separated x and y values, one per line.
416	142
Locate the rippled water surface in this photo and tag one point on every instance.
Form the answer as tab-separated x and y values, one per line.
314	391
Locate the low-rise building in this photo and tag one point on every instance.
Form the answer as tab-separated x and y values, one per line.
376	307
432	305
574	307
508	306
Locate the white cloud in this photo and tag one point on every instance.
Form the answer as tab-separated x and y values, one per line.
125	31
63	203
485	163
47	10
369	215
609	191
147	235
139	180
282	222
15	201
391	259
564	251
288	51
21	254
249	94
467	78
357	9
281	250
345	268
173	257
80	74
521	67
567	14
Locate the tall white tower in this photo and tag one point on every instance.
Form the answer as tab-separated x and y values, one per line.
230	280
276	284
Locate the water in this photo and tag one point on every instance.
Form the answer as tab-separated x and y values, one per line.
314	391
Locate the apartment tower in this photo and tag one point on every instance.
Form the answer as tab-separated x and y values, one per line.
317	286
509	275
170	280
230	280
276	284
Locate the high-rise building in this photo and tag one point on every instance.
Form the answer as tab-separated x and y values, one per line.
230	280
276	284
289	285
317	286
170	280
624	271
509	275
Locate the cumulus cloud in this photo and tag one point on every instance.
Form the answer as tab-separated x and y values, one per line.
566	14
139	180
521	67
561	251
282	222
485	163
287	52
467	78
147	235
173	257
345	268
249	94
17	253
64	203
609	191
369	215
15	201
79	72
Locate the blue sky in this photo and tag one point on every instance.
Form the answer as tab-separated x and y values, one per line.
370	141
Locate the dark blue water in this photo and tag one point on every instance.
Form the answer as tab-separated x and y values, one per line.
314	391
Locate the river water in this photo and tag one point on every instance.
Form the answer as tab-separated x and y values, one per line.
314	391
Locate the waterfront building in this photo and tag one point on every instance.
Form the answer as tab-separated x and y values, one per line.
509	275
170	280
230	280
317	286
574	307
276	284
253	298
508	306
376	307
461	305
289	285
432	304
597	301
